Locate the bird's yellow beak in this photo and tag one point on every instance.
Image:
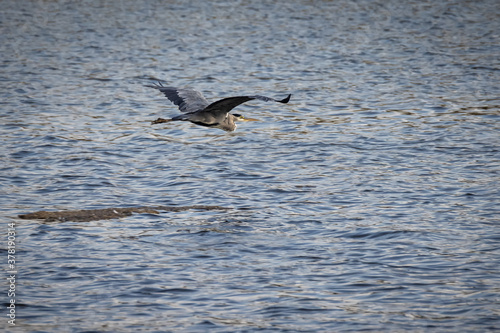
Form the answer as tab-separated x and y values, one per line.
243	118
248	119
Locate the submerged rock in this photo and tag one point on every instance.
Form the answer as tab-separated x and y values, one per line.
87	215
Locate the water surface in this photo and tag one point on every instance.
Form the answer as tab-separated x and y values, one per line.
369	202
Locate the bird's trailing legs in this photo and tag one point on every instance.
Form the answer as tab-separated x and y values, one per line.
160	120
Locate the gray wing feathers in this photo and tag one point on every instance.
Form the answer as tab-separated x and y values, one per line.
227	104
269	99
188	100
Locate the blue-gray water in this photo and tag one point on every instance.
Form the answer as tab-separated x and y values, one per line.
369	203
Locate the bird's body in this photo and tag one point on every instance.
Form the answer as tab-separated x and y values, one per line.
199	111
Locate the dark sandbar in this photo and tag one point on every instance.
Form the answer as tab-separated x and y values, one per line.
107	213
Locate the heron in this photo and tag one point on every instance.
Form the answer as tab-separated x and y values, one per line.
199	111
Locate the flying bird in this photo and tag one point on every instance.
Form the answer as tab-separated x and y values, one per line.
199	111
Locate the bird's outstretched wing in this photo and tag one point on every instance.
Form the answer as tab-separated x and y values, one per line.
188	100
227	104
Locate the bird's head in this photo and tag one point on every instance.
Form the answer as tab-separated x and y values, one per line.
240	117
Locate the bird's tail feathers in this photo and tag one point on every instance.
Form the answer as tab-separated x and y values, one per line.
181	117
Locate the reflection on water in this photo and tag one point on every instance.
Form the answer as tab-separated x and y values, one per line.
369	203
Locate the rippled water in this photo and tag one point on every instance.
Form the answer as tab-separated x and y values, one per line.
370	202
